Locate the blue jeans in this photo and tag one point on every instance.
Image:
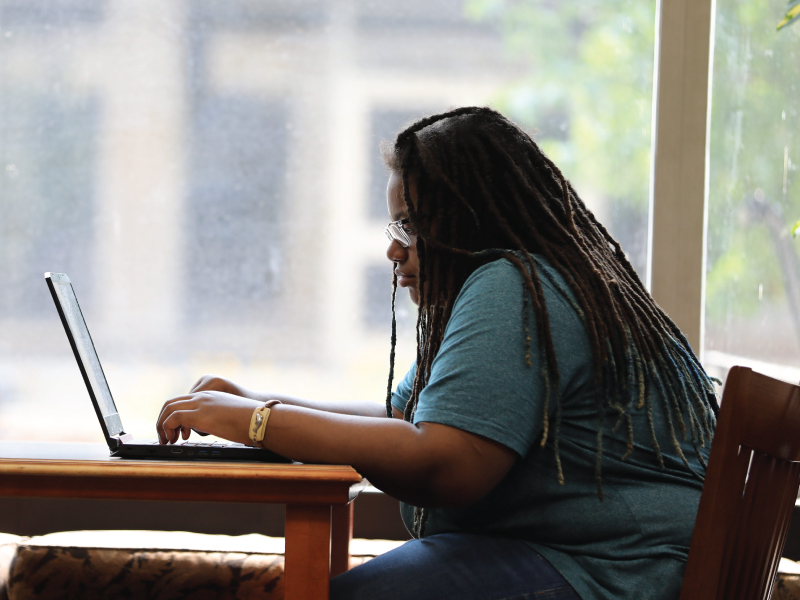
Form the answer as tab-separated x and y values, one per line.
462	566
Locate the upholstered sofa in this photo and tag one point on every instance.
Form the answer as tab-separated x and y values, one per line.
149	564
166	565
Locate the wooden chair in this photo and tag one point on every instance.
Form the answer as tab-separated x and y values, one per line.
749	492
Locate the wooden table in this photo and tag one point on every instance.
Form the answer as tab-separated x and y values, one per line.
317	497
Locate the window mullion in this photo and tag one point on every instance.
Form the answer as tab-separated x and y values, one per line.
677	222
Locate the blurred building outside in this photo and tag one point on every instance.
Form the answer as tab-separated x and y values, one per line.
208	175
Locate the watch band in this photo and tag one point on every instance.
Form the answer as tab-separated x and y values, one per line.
258	422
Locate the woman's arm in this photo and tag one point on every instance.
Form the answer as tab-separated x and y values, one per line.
427	464
216	383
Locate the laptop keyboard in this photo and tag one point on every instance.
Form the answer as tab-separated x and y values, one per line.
193	449
188	444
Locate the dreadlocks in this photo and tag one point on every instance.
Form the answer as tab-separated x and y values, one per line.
485	191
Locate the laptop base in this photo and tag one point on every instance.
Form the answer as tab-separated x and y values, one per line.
146	449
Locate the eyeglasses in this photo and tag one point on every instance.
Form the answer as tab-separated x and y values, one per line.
397	233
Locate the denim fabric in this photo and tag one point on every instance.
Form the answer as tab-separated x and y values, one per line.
461	566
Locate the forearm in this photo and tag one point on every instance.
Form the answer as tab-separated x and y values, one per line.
218	383
353	407
391	453
427	464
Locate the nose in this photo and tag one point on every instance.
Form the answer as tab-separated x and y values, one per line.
396	253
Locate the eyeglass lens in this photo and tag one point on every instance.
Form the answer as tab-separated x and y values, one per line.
396	233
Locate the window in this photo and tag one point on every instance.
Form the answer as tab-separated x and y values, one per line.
753	280
235	206
208	175
49	158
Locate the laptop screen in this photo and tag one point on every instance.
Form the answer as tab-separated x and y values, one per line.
84	347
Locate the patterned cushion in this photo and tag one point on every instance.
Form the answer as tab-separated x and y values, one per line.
787	585
153	564
8	548
137	564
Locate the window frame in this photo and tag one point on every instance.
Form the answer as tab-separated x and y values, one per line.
678	215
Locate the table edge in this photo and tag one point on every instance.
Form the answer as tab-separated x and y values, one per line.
173	469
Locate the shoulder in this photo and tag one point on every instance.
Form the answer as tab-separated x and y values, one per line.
502	281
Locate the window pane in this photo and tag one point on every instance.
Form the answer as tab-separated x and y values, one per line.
753	279
208	175
234	209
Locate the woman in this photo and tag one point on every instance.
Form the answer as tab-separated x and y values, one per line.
553	432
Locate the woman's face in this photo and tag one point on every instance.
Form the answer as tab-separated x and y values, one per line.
406	263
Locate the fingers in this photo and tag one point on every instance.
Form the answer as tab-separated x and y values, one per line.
168	408
217	413
177	425
167	433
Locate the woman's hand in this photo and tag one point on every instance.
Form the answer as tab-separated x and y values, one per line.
223	414
217	383
427	464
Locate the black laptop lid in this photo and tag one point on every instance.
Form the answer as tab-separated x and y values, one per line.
71	316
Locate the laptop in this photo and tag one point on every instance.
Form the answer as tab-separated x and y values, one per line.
121	443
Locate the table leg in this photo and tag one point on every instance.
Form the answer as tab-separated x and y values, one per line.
341	534
308	551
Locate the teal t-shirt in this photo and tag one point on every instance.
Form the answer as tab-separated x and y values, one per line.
634	543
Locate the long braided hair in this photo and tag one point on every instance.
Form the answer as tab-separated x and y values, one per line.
485	191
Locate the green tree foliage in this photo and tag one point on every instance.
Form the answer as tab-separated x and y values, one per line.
792	14
587	89
587	94
754	148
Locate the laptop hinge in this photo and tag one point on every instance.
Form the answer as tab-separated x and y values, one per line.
119	440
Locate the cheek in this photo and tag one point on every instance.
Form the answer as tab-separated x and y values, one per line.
413	260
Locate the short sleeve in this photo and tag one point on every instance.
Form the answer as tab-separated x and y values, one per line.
402	392
480	381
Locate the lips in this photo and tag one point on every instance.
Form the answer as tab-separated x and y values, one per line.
404	280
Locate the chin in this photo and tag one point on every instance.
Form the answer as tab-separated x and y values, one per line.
414	295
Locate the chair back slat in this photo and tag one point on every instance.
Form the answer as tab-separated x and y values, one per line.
785	501
787	510
745	550
730	561
785	507
760	532
749	493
